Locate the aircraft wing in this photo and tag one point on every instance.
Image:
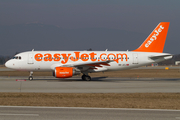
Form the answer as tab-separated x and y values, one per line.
87	65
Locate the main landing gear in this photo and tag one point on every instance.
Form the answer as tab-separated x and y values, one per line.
86	77
30	76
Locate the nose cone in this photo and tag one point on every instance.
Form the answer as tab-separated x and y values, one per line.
9	64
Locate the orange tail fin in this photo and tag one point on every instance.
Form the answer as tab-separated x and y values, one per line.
156	40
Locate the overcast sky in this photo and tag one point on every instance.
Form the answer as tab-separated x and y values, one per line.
140	16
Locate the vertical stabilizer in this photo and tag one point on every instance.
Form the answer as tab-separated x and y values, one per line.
156	40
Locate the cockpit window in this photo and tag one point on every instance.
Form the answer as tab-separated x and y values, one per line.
17	57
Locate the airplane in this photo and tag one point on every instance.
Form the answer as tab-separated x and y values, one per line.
65	64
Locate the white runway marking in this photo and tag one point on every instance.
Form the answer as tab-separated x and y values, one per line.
4	114
92	108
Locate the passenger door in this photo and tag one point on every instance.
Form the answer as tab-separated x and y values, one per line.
30	58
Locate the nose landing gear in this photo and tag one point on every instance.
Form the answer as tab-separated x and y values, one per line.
31	76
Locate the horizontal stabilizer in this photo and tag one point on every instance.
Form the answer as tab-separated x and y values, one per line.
160	57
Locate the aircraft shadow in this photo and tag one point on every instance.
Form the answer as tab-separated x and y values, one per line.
70	80
105	79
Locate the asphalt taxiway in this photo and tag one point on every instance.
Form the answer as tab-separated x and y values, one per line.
65	113
97	85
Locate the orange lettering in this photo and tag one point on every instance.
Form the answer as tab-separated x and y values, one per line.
76	56
92	55
113	55
38	57
56	57
48	57
117	60
101	57
84	57
66	58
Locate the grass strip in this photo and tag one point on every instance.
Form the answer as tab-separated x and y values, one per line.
102	100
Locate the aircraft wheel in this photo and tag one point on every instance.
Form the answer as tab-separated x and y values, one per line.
30	78
83	77
86	77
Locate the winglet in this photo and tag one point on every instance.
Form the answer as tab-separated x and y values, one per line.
156	40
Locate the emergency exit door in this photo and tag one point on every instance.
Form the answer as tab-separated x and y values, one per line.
135	58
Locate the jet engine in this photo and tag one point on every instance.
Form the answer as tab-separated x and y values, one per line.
65	72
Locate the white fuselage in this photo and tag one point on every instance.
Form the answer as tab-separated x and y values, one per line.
49	60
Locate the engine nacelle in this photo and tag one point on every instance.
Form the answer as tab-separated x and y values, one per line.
65	72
